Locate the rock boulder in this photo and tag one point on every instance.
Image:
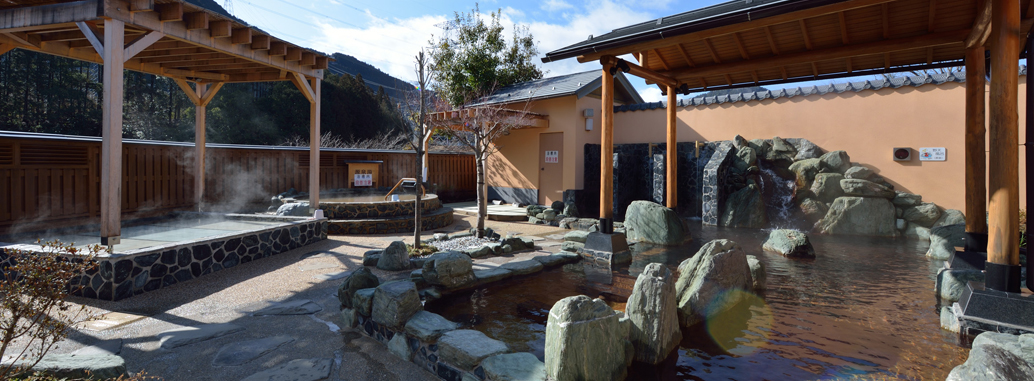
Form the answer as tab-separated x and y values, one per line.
757	273
394	303
859	216
826	187
789	243
836	161
358	280
924	214
651	222
586	340
652	309
712	281
865	188
744	209
998	357
805	171
449	269
394	258
858	172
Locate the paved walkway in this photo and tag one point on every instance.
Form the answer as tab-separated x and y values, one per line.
230	302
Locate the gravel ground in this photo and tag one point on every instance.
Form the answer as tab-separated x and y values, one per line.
460	244
232	295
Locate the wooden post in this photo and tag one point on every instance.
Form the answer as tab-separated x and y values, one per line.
1029	152
672	164
314	145
607	148
111	131
199	147
1003	209
976	157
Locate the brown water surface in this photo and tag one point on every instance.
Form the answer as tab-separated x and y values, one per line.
864	309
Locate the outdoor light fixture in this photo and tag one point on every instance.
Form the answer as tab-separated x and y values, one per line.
587	114
902	154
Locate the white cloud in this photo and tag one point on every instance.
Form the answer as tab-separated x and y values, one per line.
651	94
555	5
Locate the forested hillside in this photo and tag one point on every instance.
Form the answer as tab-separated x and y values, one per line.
346	64
43	93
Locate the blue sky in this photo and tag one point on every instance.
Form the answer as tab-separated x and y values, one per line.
388	34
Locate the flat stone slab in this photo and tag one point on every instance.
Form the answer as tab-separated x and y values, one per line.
189	335
73	366
550	244
522	366
428	326
492	275
552	260
317	266
294	307
111	320
523	267
332	276
558	237
243	351
103	347
296	370
465	348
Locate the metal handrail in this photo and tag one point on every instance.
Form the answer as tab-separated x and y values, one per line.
423	192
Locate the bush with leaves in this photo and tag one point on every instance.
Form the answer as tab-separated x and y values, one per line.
34	287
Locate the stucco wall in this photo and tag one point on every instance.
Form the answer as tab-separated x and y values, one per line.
866	124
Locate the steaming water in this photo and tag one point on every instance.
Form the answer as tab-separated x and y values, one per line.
778	194
863	309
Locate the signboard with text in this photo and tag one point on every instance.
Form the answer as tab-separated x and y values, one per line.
932	154
552	156
363	179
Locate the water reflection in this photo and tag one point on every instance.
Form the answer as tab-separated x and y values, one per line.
864	308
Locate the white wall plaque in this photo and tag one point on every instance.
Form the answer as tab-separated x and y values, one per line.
363	179
552	156
932	154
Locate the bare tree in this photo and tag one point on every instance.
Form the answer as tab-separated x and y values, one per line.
418	132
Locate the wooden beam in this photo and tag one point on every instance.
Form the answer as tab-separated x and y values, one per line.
23	18
170	12
641	72
782	69
976	158
607	142
25	38
804	34
303	86
111	132
220	29
981	26
728	79
886	61
672	164
4	48
191	93
929	56
840	52
293	54
241	36
710	49
771	41
844	38
1003	207
141	43
196	20
932	20
885	19
314	144
179	73
209	94
308	59
277	49
141	6
685	55
814	70
93	35
739	45
260	42
322	63
724	30
754	75
200	140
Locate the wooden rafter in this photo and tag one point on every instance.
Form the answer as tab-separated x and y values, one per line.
25	38
4	48
685	55
303	86
220	29
260	42
932	20
728	79
143	42
771	41
885	19
659	59
782	70
981	26
814	70
241	36
93	35
844	38
739	45
170	12
754	75
804	34
641	72
196	20
886	61
710	49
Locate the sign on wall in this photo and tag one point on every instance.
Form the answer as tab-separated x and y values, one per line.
552	156
363	179
932	154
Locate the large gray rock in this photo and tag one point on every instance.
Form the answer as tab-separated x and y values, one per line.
805	149
395	257
576	236
744	209
394	303
903	199
916	231
950	217
813	210
760	146
428	326
362	301
586	340
525	267
73	366
781	151
924	214
522	366
745	158
865	188
836	161
571	246
757	273
805	171
944	239
710	281
858	172
859	216
951	282
651	222
998	357
789	243
652	309
477	252
570	210
826	187
465	348
449	269
294	209
492	275
359	279
296	370
398	347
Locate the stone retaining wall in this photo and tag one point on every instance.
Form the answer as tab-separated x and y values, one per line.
436	219
376	209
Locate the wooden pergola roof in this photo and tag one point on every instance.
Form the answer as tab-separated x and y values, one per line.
739	43
173	38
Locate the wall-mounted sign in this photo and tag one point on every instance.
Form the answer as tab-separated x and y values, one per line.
363	179
552	156
932	154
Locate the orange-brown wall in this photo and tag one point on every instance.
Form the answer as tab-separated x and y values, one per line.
866	124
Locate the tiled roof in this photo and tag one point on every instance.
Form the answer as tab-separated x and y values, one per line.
553	87
875	84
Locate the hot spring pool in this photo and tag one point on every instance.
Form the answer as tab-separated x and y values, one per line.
864	309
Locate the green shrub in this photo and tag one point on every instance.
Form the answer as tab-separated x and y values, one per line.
423	251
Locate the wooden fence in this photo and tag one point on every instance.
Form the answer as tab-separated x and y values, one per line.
51	181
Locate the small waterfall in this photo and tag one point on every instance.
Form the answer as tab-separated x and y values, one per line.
778	195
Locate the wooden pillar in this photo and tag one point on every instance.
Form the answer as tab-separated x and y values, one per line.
607	147
976	157
314	145
111	131
1003	207
672	165
199	147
